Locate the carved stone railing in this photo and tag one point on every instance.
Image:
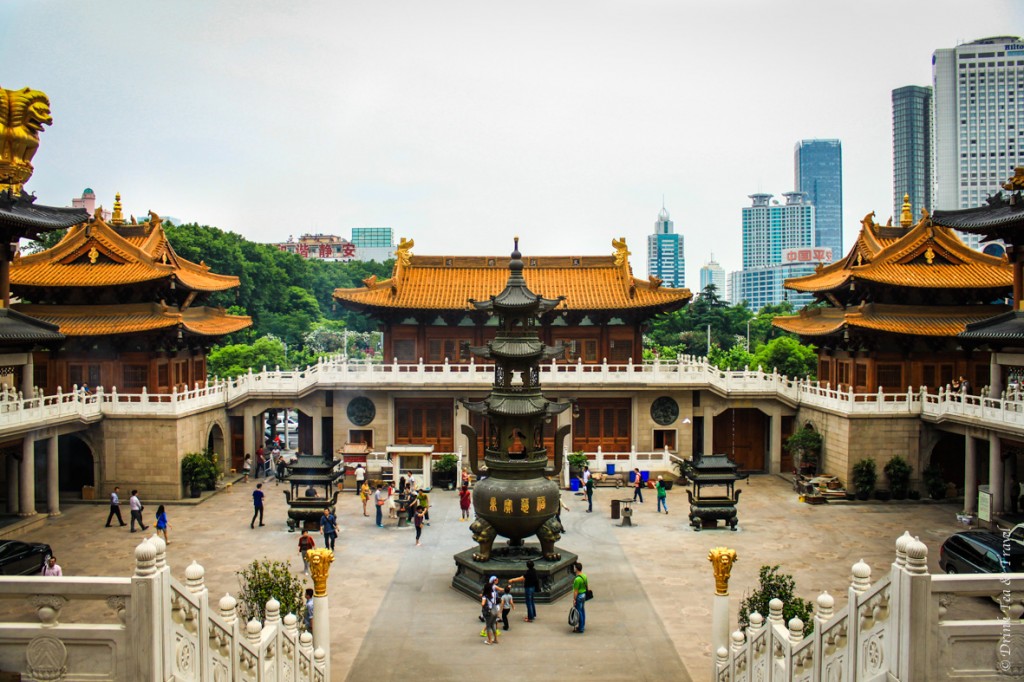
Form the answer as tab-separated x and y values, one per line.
18	414
900	629
158	629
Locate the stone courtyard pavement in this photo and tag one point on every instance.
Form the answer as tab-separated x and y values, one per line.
394	615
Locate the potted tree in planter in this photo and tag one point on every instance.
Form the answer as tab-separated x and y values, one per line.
577	463
864	477
444	471
934	482
805	448
198	472
898	471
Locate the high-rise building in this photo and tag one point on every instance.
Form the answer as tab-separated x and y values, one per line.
374	243
665	259
912	149
778	242
818	166
713	273
979	120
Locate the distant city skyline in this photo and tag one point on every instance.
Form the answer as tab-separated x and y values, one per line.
463	124
818	173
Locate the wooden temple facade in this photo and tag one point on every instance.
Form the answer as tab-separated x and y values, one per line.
131	310
890	312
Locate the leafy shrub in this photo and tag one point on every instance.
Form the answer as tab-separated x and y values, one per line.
199	470
864	477
898	471
934	482
775	585
578	461
805	447
265	579
447	463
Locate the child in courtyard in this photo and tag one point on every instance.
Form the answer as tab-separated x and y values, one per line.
161	523
507	605
418	522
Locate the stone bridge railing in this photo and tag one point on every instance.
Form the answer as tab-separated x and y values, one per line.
157	629
901	628
18	414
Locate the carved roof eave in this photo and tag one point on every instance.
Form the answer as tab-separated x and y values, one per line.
939	321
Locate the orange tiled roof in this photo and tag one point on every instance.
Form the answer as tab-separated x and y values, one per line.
894	319
923	256
96	254
447	283
104	320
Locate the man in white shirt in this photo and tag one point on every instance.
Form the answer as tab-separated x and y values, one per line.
115	508
360	476
50	568
136	506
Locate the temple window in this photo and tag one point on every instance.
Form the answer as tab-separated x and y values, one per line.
890	376
862	374
84	374
823	371
162	378
134	377
664	438
405	350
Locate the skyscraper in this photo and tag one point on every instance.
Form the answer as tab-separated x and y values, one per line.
818	168
665	259
778	242
979	120
713	273
912	148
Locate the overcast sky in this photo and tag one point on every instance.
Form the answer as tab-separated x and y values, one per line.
463	123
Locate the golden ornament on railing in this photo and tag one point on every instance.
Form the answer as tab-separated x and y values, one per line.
319	566
23	113
722	559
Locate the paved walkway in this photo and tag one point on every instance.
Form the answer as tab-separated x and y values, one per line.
394	616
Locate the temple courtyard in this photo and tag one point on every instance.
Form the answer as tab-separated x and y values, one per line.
394	615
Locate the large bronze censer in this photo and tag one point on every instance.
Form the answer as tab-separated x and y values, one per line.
514	496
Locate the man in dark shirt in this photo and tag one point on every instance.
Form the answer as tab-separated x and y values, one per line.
530	583
329	527
257	505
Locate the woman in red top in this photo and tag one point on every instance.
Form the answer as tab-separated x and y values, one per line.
465	501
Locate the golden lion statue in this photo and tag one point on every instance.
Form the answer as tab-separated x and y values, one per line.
23	113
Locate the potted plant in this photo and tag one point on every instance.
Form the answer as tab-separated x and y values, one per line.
577	463
198	472
444	470
898	471
805	448
934	482
864	477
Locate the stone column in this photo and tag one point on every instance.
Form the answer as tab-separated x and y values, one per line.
27	493
248	437
52	477
721	559
775	447
970	474
319	567
709	431
27	377
995	475
995	376
317	445
12	484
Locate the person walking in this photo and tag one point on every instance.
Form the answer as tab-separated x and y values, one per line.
360	476
307	619
465	501
364	495
51	568
423	497
662	495
638	486
491	604
115	508
508	605
392	513
589	488
306	543
259	462
531	582
257	505
380	497
579	595
329	528
246	467
161	523
135	506
417	521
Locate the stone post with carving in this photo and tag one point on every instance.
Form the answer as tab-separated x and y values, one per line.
319	567
721	559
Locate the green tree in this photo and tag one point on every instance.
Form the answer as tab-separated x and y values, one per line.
775	585
789	356
736	358
237	359
266	579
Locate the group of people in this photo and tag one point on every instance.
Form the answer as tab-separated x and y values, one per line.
136	508
267	463
410	502
496	601
638	484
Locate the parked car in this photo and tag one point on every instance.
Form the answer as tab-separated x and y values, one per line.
1017	533
23	558
981	551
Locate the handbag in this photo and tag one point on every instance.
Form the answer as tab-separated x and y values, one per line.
590	594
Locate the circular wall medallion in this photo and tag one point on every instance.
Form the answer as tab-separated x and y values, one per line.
664	410
361	411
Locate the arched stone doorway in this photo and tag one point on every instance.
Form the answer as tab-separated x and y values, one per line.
215	444
75	462
949	455
742	433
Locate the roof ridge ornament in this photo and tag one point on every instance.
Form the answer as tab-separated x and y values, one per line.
907	213
1015	182
23	113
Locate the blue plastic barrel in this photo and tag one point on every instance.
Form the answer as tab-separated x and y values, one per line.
574	484
609	469
646	475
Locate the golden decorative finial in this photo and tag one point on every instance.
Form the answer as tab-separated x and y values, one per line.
403	254
116	218
868	221
1016	181
907	214
93	255
722	559
319	566
23	113
929	255
621	252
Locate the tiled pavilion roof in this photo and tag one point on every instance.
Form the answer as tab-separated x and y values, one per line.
104	320
935	321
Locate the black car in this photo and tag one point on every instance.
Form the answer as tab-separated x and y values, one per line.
23	558
981	551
